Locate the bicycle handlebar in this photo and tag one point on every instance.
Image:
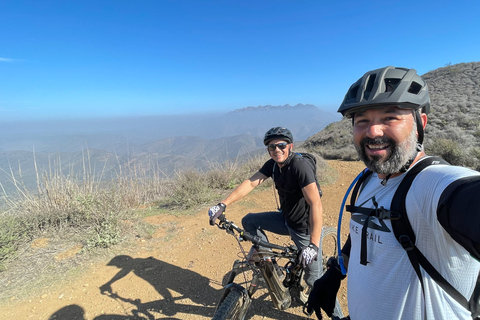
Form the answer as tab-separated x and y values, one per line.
230	226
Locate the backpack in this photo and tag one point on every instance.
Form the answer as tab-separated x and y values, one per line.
313	161
406	237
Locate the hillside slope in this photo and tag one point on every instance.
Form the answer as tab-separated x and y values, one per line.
453	128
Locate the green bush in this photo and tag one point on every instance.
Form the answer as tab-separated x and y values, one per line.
105	233
12	233
189	188
449	150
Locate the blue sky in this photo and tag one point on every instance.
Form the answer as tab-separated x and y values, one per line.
109	58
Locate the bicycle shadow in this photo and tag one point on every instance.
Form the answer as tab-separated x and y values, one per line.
75	312
165	278
262	307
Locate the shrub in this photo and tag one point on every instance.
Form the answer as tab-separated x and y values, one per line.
189	188
448	150
13	232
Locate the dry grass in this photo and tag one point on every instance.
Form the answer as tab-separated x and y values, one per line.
69	209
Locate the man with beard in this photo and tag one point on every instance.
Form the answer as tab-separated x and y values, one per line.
389	108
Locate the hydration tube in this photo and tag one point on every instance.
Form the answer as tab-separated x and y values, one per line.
339	242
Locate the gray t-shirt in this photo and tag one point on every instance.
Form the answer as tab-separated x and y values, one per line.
388	287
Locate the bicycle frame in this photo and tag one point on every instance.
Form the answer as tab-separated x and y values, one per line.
278	285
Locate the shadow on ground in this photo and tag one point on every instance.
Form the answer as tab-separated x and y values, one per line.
165	277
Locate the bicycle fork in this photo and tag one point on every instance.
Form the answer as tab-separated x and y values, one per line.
279	294
244	302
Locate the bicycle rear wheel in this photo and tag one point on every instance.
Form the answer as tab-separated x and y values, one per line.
232	307
328	245
328	248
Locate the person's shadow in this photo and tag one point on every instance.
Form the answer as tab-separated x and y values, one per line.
70	312
165	278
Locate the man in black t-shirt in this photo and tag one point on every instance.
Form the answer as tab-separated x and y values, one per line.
300	213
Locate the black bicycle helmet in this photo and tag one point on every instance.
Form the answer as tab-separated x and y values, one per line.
387	86
278	133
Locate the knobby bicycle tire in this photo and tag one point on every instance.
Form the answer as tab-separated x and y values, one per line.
329	234
230	307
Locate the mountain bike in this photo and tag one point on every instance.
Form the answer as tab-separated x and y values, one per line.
284	283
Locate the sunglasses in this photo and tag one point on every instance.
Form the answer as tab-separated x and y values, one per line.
281	146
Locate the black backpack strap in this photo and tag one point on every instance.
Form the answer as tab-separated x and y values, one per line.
380	213
366	211
406	237
350	208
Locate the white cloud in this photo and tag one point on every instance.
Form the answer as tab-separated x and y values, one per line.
6	59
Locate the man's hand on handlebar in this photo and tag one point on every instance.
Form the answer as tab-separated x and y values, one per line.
105	289
215	212
308	254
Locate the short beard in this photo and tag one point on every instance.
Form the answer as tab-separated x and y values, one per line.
400	153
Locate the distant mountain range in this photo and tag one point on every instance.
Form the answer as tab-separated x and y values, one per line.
169	143
121	134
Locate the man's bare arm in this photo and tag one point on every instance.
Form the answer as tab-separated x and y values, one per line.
245	188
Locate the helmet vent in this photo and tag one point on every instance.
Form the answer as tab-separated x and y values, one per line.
391	84
370	84
415	88
352	93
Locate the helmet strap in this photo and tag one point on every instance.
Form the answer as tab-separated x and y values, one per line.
420	130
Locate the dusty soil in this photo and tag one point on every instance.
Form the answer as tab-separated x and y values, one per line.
175	274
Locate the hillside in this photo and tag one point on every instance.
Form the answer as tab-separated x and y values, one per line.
453	128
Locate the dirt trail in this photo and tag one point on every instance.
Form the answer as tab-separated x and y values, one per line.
175	275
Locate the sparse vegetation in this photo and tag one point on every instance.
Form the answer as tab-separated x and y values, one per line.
95	212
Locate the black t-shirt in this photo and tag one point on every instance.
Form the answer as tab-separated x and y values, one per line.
289	180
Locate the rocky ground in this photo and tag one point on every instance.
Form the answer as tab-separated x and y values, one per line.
175	274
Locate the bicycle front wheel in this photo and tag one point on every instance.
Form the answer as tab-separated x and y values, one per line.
232	307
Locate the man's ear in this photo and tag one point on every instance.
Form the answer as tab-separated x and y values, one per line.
424	118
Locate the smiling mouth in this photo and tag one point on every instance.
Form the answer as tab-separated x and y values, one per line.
374	147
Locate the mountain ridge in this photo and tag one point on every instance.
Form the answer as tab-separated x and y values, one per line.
197	142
